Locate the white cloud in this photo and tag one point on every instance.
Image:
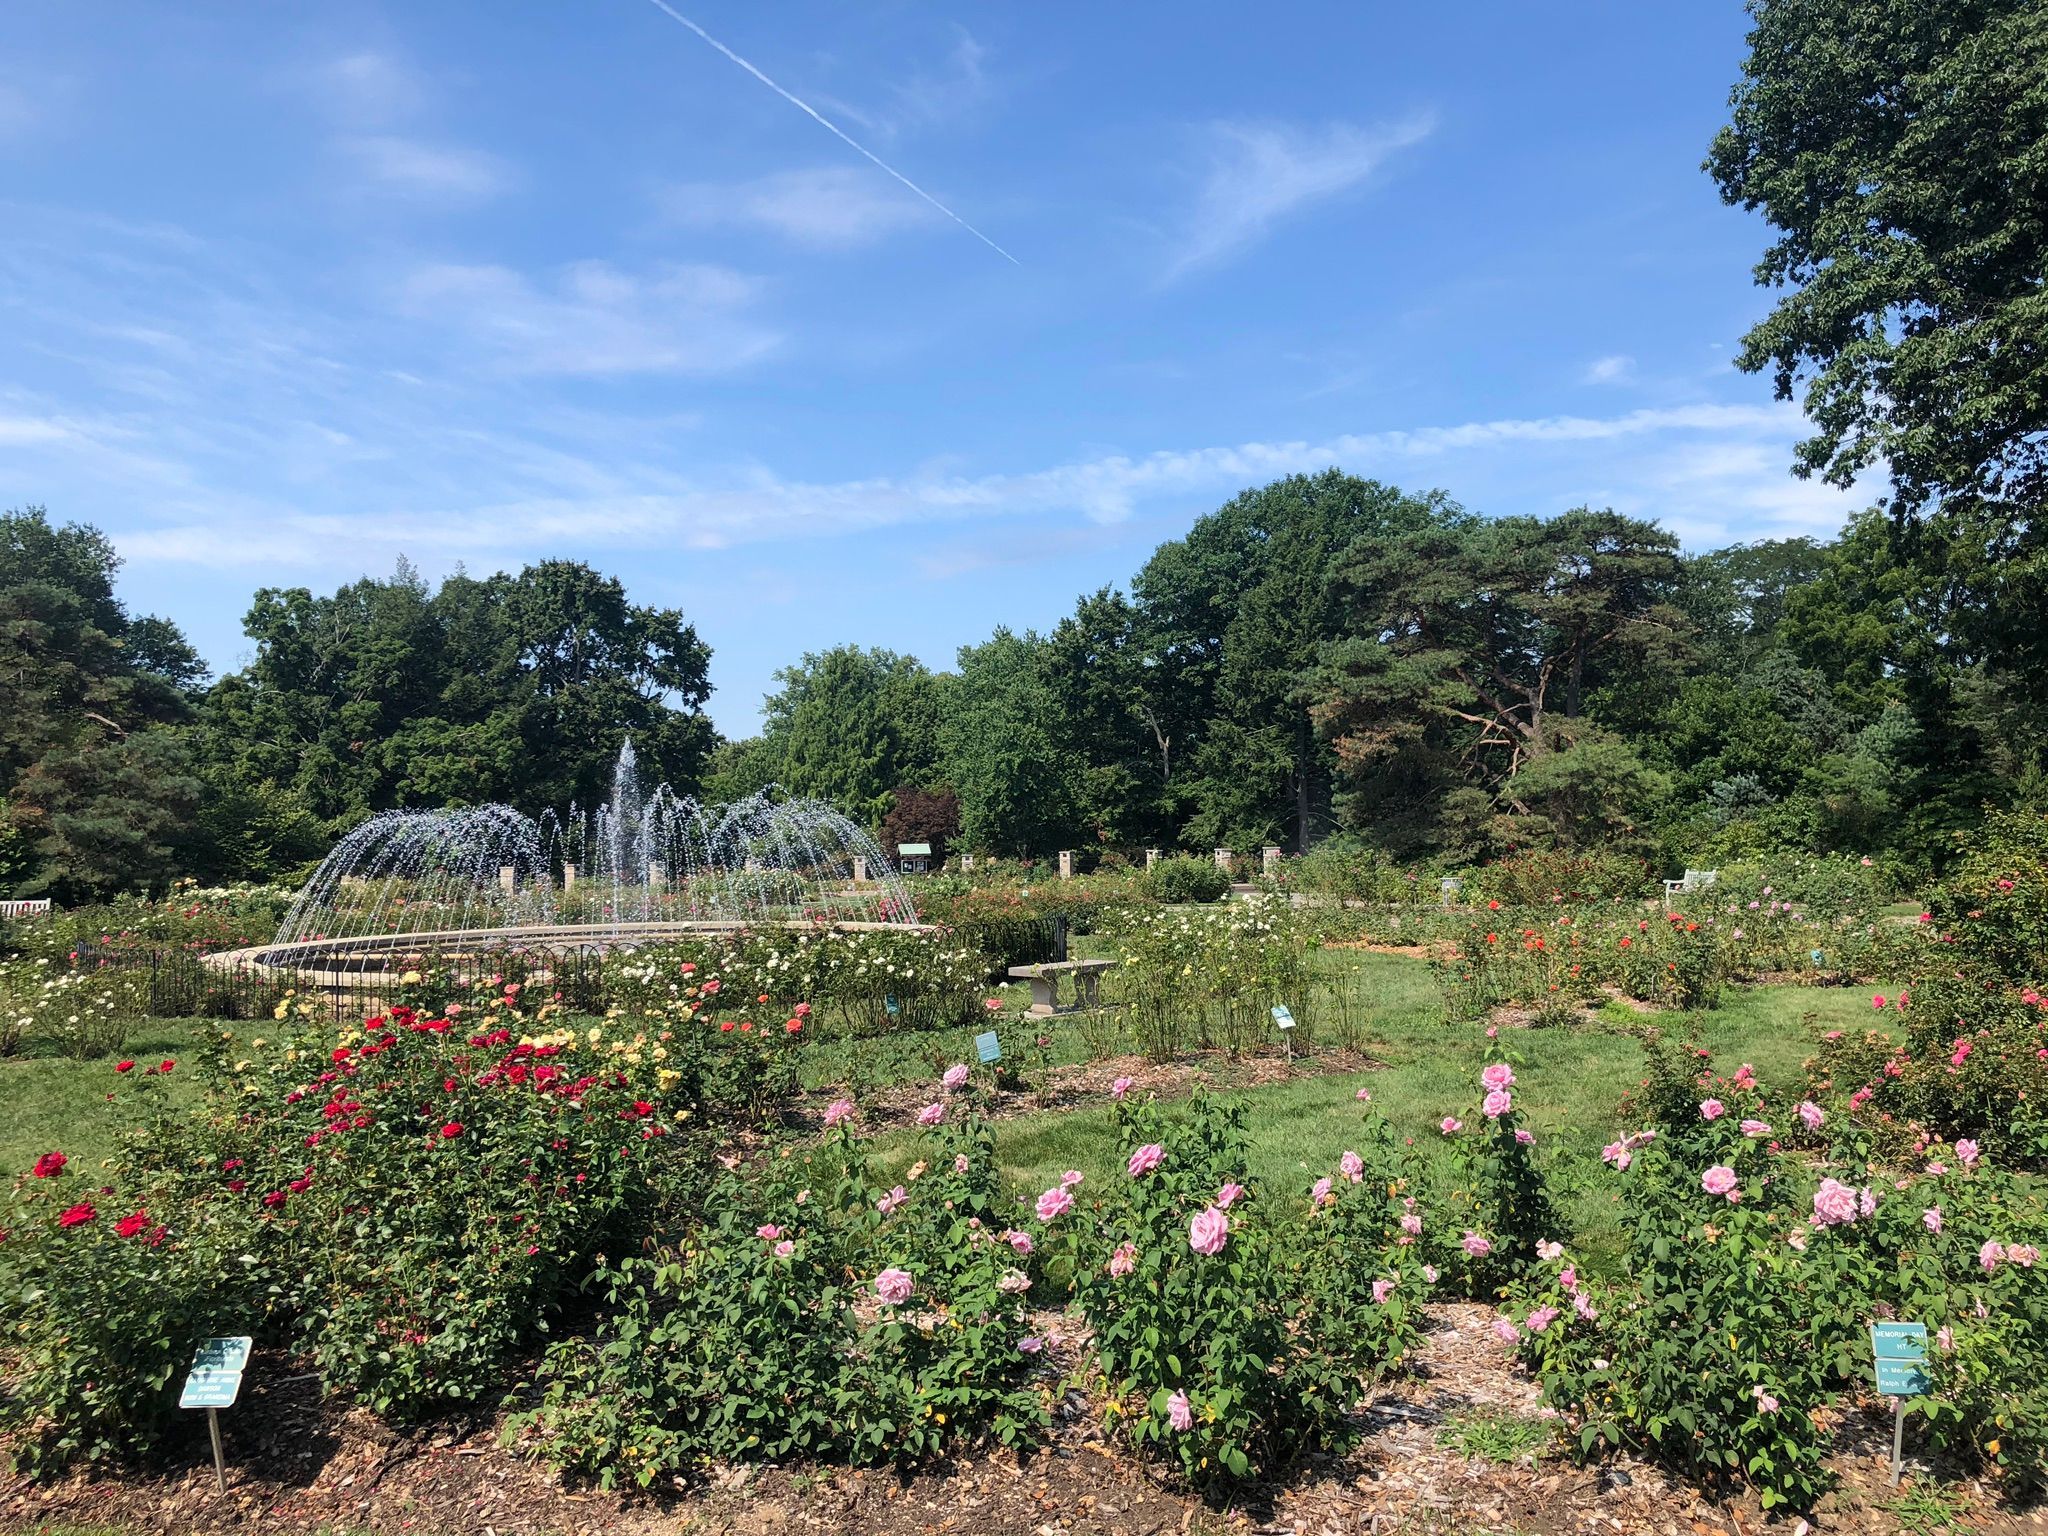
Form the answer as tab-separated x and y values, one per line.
366	88
836	206
933	98
1613	369
1259	173
595	318
409	167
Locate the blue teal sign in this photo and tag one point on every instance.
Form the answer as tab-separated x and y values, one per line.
215	1380
1820	957
1282	1017
1901	1351
988	1047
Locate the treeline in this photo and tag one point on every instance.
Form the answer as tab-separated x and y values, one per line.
1323	657
1330	657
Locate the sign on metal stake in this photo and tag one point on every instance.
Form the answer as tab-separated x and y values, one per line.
213	1383
1901	1353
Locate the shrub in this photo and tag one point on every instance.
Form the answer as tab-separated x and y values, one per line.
1547	876
1204	976
806	1319
1179	879
1197	1334
1498	1208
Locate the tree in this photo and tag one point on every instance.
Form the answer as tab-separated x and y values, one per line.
922	816
97	781
849	725
1468	635
1016	788
1900	148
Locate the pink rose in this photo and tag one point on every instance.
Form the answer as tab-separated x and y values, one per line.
931	1114
1475	1245
784	1249
1364	1095
1583	1305
1020	1241
1718	1180
1834	1204
1712	1109
1568	1277
1764	1400
1351	1166
1319	1193
1412	1224
1229	1195
1071	1177
1811	1115
1542	1318
960	1163
2026	1255
1549	1250
955	1078
1754	1128
1208	1232
1498	1103
894	1286
1124	1260
1145	1159
1931	1218
838	1112
768	1233
1496	1077
1525	1138
1617	1153
1381	1290
1119	1088
1967	1153
1506	1331
1178	1414
1054	1203
1450	1126
891	1200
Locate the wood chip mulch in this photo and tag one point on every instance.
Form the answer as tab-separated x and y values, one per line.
298	1465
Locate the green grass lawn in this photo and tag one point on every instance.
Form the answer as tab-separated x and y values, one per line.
1571	1082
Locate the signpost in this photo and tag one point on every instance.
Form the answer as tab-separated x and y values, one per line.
1901	1353
1284	1022
213	1383
988	1047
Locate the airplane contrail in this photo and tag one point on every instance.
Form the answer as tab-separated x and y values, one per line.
824	121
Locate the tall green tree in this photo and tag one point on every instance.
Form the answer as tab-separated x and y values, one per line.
98	785
849	726
1016	787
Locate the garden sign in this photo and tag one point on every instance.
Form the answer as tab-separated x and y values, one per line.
1901	1352
213	1383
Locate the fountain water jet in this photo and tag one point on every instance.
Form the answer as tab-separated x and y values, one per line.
647	865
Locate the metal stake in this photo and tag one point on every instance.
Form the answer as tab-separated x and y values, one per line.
1898	1435
220	1464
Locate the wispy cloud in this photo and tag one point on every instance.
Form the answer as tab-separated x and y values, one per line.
411	168
365	87
1260	173
594	318
835	207
937	97
1613	369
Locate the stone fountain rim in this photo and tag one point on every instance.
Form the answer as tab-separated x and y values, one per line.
281	955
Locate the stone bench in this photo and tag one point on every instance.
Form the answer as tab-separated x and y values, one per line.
1045	984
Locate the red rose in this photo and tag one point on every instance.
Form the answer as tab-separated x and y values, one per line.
124	1066
299	1186
275	1198
339	1053
165	1066
794	1026
450	1131
78	1215
236	1186
50	1164
726	1027
128	1226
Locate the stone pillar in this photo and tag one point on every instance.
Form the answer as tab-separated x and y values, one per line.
1223	859
1151	857
508	878
568	878
860	870
966	863
1066	863
1269	862
1449	886
655	877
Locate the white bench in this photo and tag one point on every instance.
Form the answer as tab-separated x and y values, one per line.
1692	880
25	908
1045	984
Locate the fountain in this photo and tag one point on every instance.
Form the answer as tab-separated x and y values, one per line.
643	865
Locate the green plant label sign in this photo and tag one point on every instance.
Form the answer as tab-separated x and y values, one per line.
1901	1350
229	1354
1282	1017
215	1380
989	1047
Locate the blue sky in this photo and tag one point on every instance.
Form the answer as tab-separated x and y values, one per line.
287	291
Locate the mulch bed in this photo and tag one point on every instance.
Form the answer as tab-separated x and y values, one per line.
298	1465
